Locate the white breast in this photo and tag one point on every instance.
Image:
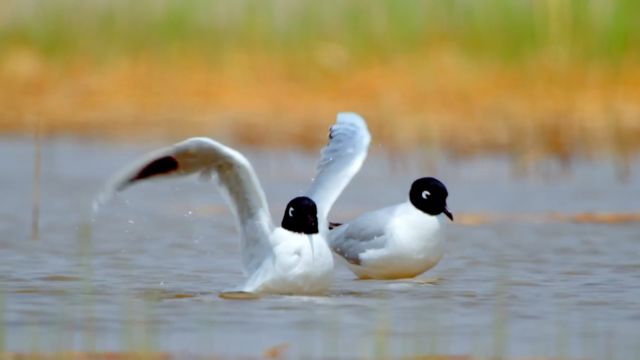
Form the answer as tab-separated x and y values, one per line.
299	263
413	244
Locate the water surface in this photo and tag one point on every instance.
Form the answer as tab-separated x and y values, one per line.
148	273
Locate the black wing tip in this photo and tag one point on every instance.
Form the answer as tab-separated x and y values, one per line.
333	225
331	132
355	261
160	166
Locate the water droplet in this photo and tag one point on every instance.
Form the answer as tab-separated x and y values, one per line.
131	222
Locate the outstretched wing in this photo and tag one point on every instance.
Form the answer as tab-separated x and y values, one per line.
340	160
236	177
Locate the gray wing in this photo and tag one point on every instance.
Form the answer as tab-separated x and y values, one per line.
235	176
366	232
340	160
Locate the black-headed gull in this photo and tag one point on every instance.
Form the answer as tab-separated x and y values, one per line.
396	242
293	258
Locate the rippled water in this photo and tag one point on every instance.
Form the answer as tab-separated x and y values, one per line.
147	275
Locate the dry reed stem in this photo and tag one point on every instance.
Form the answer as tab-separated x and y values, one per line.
37	182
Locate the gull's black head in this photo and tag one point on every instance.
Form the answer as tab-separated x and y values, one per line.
429	195
301	216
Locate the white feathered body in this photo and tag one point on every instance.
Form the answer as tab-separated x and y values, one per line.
276	260
297	264
407	242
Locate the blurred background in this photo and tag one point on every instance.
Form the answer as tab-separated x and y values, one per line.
528	111
530	79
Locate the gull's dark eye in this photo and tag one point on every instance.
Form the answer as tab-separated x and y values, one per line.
291	212
425	194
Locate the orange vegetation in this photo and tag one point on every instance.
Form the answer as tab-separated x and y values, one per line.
440	100
581	218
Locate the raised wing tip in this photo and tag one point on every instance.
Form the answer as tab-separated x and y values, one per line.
161	166
351	120
164	165
351	117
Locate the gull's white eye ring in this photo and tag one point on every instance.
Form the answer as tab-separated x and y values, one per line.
291	212
425	194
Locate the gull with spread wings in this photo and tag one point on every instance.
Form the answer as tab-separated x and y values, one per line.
293	258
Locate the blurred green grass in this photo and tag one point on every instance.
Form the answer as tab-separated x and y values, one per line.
524	77
505	30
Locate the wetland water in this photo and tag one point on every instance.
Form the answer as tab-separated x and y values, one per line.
147	275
